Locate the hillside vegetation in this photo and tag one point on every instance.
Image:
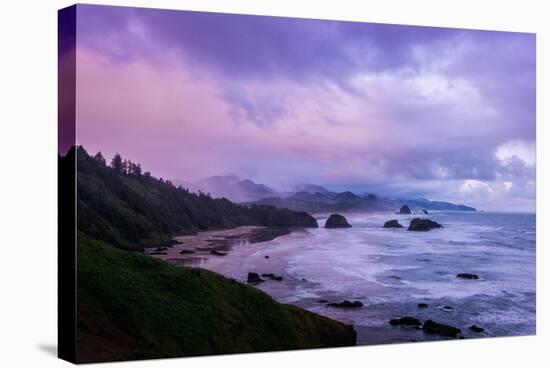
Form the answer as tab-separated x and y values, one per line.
132	306
131	209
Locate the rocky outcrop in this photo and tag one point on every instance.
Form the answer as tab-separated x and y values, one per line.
476	329
392	224
405	321
253	277
405	210
346	304
282	217
418	224
422	305
467	276
336	221
440	329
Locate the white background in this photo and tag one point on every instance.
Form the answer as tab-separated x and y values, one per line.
28	149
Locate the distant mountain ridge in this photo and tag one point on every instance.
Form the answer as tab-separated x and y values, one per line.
230	187
310	197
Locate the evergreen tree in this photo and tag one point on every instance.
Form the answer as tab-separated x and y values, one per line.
126	166
99	158
116	163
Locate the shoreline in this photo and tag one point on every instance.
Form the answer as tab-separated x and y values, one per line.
332	265
192	250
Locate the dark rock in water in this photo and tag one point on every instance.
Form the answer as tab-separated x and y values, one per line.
272	276
346	304
392	223
440	329
160	249
422	305
266	257
216	253
405	321
254	277
418	224
322	301
157	253
425	212
467	276
187	251
405	210
336	221
476	328
447	308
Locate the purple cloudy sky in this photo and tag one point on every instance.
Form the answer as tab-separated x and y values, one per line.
445	114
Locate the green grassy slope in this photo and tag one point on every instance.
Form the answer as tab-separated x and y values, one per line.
131	306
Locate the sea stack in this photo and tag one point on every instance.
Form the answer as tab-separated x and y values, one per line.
405	210
418	224
392	223
336	221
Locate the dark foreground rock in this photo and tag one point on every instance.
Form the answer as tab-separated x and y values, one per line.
254	277
405	321
440	329
467	276
392	223
336	221
418	224
476	328
405	210
346	304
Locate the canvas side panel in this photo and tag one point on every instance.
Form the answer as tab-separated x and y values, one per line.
66	252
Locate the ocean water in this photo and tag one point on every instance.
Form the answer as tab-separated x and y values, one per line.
392	270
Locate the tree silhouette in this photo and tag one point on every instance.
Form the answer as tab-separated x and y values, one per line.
116	163
99	158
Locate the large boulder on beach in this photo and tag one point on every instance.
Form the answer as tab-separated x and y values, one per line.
336	221
440	329
418	224
392	224
405	210
405	321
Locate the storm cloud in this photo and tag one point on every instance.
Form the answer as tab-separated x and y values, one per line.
447	114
